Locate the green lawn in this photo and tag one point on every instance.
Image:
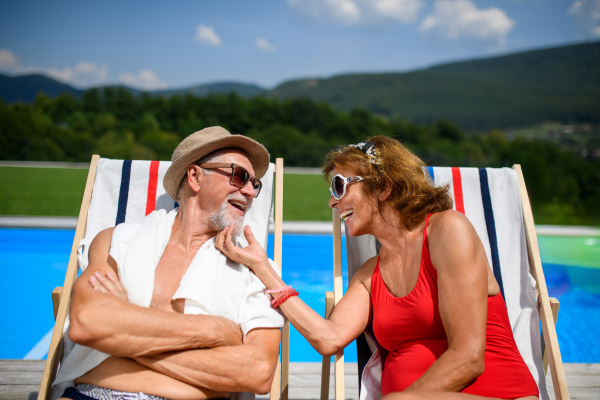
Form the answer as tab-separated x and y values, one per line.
305	198
41	191
58	192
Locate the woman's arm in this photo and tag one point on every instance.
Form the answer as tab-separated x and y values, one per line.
462	268
348	319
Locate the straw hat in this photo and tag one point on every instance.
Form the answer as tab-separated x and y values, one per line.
203	142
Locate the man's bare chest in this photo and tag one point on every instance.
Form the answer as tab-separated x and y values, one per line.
167	278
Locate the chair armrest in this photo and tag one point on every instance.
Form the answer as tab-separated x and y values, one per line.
554	305
56	293
326	366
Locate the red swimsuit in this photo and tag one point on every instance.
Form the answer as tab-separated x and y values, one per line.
411	329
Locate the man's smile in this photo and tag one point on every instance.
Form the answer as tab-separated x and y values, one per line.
239	204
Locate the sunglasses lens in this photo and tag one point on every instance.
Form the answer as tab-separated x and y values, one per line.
257	184
337	186
240	177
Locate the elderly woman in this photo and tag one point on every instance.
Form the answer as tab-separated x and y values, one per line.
430	294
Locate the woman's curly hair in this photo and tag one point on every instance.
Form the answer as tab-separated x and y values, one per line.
413	195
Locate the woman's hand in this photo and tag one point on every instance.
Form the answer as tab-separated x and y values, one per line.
253	256
109	284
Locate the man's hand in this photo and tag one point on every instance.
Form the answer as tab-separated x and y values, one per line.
253	256
108	284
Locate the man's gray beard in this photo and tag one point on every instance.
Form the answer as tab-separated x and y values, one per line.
223	217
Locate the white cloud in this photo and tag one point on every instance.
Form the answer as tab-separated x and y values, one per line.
405	11
263	44
8	60
82	74
587	13
145	79
206	35
359	12
462	20
11	63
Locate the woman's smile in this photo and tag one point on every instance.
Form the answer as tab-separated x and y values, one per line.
346	214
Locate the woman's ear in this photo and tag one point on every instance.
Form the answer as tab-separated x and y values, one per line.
385	191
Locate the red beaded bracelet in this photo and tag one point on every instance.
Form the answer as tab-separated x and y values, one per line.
282	293
289	294
278	290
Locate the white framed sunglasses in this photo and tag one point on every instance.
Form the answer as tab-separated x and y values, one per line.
339	183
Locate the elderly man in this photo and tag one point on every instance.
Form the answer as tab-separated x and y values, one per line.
160	312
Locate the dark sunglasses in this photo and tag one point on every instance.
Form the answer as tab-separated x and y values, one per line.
239	176
339	183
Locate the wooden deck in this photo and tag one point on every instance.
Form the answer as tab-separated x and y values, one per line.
20	379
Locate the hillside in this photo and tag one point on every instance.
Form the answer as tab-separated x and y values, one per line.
241	89
25	87
560	84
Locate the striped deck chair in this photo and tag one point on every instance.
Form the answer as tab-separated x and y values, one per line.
125	191
495	200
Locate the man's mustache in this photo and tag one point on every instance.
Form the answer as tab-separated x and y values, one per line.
239	198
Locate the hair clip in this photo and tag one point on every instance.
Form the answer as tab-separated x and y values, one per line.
369	149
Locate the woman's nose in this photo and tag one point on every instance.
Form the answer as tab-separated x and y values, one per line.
332	202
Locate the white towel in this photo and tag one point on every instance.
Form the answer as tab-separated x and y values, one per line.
212	285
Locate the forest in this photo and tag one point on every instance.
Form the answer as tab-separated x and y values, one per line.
113	122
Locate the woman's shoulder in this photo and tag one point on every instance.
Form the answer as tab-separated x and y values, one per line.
448	224
365	272
451	236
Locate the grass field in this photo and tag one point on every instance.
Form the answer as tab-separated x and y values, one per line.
58	192
41	191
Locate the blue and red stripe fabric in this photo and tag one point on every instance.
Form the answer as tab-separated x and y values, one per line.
127	191
470	191
491	226
123	192
142	170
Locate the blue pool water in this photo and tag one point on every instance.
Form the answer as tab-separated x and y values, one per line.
31	270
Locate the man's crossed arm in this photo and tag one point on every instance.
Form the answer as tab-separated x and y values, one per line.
205	351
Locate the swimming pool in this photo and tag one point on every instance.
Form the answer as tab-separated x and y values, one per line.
34	261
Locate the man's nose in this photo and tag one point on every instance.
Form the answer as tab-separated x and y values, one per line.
248	190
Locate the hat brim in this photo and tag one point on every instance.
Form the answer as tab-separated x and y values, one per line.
257	155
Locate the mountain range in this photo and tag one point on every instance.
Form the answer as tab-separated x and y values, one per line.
24	88
556	84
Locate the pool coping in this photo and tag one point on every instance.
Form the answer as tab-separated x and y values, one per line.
44	222
306	227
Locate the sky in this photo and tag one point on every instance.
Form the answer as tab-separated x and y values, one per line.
174	44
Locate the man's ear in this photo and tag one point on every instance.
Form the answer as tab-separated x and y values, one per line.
385	191
194	177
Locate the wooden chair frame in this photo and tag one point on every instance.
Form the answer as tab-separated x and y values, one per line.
547	306
279	388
